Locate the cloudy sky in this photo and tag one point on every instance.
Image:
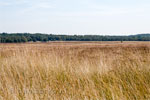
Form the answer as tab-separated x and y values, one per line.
102	17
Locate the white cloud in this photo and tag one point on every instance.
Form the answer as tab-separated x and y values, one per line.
3	3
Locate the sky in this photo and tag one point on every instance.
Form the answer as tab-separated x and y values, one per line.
91	17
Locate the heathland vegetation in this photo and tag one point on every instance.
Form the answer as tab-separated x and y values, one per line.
27	37
75	71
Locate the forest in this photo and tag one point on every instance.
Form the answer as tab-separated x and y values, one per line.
28	37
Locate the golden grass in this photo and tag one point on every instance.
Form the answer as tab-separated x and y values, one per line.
75	71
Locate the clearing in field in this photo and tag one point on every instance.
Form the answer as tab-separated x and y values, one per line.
75	71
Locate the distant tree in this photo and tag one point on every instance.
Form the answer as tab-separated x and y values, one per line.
25	37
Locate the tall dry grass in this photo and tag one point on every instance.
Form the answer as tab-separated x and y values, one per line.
60	71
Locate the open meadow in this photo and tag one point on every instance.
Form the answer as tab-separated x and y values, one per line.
75	71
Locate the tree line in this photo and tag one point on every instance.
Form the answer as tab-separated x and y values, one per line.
27	37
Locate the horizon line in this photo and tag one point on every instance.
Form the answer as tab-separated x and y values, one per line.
71	34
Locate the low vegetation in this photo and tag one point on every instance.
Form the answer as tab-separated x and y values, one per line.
75	71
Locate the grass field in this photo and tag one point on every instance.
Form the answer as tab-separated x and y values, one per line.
75	71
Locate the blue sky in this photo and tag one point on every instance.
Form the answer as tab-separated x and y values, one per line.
101	17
